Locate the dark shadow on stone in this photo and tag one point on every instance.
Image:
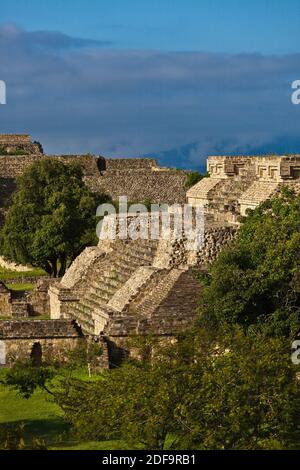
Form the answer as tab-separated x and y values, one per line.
36	354
116	354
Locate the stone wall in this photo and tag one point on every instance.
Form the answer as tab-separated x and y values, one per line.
4	263
139	179
215	239
11	329
39	300
13	166
20	144
20	308
130	164
15	138
142	185
238	183
52	349
55	339
5	301
61	301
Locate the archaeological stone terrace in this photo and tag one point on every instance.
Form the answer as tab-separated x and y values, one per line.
238	183
140	179
124	288
133	287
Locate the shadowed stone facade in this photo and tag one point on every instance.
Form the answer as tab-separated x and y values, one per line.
55	339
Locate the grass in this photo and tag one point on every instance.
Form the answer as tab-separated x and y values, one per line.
8	273
20	287
44	419
40	317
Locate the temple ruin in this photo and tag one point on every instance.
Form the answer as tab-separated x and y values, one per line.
127	287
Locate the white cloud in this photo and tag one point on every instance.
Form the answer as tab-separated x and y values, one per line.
77	96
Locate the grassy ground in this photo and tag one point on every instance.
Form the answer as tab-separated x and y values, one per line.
21	287
44	419
8	274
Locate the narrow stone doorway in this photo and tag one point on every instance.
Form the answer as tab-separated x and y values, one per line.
36	354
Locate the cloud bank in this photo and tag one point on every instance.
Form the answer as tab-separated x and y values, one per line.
79	95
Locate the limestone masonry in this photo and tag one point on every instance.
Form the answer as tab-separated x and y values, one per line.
124	288
140	179
238	183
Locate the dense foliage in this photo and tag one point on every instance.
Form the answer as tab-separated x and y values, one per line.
228	384
52	217
255	281
193	178
234	392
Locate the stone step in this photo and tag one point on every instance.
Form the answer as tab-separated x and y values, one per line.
111	279
160	291
122	268
108	281
137	258
124	260
100	297
102	287
84	310
90	304
146	251
83	319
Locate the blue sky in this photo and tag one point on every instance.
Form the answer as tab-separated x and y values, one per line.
265	26
180	79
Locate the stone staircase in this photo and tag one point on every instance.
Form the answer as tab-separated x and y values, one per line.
104	281
259	191
140	312
224	197
176	311
165	284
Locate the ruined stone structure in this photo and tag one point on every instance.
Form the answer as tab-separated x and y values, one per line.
11	144
140	179
134	287
137	286
238	183
21	304
5	301
38	339
131	287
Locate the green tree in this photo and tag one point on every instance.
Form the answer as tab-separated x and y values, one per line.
193	178
235	391
25	377
255	281
241	393
52	217
135	402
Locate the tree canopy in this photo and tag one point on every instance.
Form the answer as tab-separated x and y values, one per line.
52	216
255	281
205	392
